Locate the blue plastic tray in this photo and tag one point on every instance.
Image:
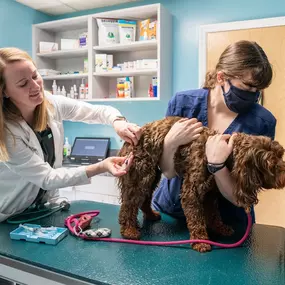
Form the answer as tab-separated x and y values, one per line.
51	235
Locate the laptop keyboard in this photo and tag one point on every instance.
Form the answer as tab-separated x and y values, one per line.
71	163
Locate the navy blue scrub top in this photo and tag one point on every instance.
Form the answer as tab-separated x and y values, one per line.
193	104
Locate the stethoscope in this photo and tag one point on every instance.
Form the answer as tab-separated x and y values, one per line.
40	211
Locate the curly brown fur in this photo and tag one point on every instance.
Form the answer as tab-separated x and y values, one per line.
257	165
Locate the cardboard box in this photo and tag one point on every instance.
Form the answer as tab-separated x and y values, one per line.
68	44
103	62
47	47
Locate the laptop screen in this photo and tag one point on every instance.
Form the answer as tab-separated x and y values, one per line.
90	147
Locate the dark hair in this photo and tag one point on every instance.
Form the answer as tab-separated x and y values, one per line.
238	58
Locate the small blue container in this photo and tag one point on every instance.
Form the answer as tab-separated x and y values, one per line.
154	86
36	233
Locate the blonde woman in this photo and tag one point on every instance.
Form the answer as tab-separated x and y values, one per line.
31	136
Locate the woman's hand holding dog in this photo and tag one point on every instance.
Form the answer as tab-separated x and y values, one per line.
218	149
129	132
183	132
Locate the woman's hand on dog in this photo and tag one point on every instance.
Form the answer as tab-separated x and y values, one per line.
117	166
218	148
183	132
129	132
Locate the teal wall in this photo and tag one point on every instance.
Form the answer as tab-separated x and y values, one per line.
188	15
16	22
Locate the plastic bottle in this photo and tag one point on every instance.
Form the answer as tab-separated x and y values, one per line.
120	88
82	91
150	90
72	93
66	148
86	91
128	88
63	92
154	86
54	88
75	92
58	91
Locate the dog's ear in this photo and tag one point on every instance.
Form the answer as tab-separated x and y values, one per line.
268	156
265	161
246	179
272	166
258	164
278	149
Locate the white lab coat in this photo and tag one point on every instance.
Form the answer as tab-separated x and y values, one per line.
26	172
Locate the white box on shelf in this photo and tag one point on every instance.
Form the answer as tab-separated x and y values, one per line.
100	62
68	44
83	40
48	72
127	31
147	64
103	62
108	31
109	61
47	47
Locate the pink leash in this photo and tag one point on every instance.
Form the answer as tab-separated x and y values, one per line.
71	223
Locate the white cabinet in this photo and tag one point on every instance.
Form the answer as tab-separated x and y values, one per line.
103	85
103	189
68	192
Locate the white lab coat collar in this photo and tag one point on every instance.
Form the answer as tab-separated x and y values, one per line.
33	142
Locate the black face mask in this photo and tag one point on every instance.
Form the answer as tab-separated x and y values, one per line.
238	100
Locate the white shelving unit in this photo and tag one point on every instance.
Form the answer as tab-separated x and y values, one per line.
102	85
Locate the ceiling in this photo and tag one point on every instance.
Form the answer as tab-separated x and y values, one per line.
58	7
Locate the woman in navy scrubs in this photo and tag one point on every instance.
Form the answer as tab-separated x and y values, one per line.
228	103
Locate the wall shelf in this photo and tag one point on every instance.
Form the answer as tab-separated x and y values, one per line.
66	76
65	53
134	46
135	99
104	84
151	72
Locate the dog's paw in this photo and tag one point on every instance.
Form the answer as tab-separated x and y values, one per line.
201	247
152	216
130	233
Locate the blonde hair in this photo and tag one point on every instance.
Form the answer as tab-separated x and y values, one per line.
8	111
239	57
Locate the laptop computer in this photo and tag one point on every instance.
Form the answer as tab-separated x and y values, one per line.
87	150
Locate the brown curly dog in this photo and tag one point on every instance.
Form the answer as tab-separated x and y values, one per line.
256	164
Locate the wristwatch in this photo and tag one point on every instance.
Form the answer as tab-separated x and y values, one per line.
214	167
120	118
